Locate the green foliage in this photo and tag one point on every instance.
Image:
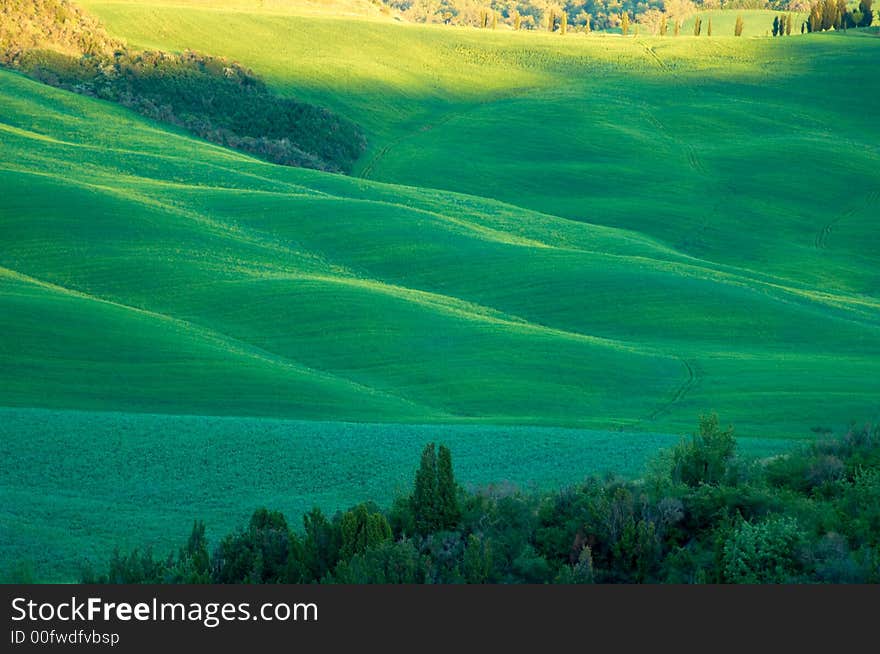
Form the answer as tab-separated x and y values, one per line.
706	458
579	573
136	567
296	463
831	14
362	528
866	10
424	497
321	546
602	531
54	24
477	560
532	14
265	552
814	21
530	567
637	550
860	507
193	564
448	511
435	493
763	553
387	563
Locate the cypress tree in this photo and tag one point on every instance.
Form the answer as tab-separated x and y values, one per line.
676	28
829	14
424	498
563	23
709	29
698	26
517	21
551	21
663	26
738	28
624	23
477	560
448	512
814	22
362	529
776	26
321	547
866	8
494	19
842	14
788	21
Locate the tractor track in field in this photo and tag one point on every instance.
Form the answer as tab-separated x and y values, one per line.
694	161
380	154
694	378
653	54
820	242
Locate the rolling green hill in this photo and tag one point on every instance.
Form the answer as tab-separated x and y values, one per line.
586	232
342	299
690	141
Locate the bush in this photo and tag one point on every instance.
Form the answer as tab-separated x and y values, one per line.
706	457
763	553
812	515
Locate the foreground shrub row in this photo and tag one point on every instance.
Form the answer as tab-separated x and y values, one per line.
701	515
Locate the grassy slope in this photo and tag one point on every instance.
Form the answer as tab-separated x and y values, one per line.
386	303
685	143
686	140
137	262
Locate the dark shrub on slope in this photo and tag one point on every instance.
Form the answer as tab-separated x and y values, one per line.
218	100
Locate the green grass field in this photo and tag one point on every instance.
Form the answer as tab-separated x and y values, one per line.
587	232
